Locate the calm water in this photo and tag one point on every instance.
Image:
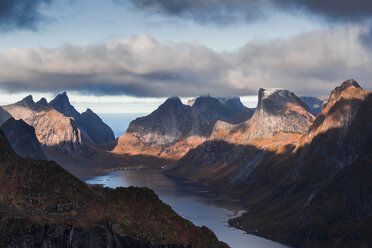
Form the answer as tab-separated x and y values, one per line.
191	201
119	122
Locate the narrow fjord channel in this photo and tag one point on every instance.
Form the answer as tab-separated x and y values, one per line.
191	201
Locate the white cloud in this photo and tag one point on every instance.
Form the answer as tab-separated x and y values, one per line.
308	64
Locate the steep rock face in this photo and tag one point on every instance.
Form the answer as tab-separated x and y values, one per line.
62	104
234	151
42	205
208	110
174	128
54	130
22	139
98	131
4	116
314	103
90	124
278	111
170	122
313	192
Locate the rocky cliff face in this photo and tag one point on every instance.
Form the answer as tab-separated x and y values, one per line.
98	131
54	130
169	123
174	128
234	151
278	111
208	110
89	123
4	116
22	139
42	205
62	104
312	192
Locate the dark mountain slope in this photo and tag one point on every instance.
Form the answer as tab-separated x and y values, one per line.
22	139
42	205
4	116
314	192
98	131
321	195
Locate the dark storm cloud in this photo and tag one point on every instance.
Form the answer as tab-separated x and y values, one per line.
224	12
206	11
21	14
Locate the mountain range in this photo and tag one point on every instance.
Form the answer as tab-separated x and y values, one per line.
311	189
174	128
300	165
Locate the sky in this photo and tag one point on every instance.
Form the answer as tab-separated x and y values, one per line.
128	56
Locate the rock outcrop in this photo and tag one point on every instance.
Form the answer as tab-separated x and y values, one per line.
174	128
42	205
90	123
55	131
22	139
278	111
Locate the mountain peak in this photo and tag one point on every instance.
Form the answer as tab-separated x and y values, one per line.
279	110
349	83
173	99
43	102
266	92
62	104
275	101
170	103
340	90
62	96
89	111
28	101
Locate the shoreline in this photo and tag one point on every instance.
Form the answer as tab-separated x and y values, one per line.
237	207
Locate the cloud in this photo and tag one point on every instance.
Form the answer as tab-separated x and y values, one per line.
308	64
226	12
206	11
21	14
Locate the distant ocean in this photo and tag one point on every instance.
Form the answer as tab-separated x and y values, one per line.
119	122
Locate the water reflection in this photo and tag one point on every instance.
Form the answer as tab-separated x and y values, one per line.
192	201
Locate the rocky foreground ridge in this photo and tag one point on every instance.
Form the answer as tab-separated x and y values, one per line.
306	190
42	205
